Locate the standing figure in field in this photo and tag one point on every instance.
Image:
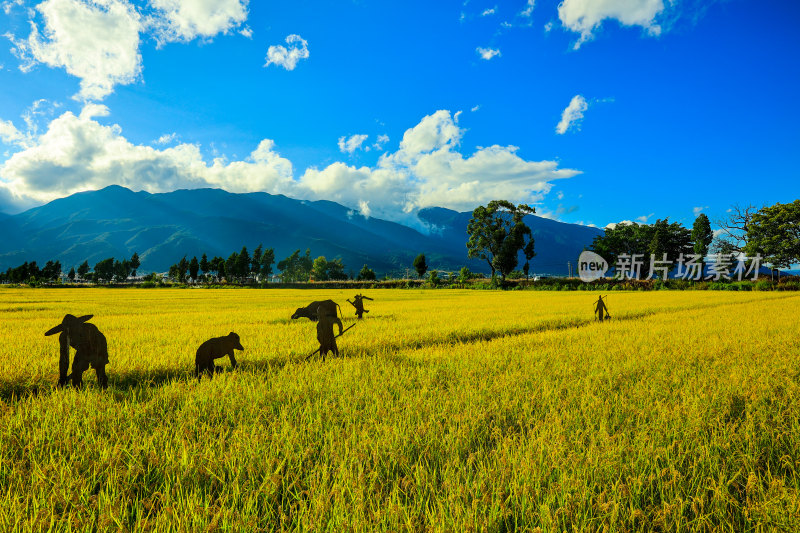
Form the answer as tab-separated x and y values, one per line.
327	341
90	346
600	310
311	310
214	349
358	303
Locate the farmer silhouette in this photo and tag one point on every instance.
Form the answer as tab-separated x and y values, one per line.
90	346
600	310
325	336
359	304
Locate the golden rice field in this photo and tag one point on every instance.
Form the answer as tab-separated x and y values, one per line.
447	411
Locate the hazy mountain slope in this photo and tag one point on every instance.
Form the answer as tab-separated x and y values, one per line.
162	228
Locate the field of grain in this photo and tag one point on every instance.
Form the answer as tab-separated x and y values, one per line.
448	410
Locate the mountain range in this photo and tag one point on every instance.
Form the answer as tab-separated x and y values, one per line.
163	227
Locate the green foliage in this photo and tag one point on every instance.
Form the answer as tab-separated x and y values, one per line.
204	265
267	260
702	236
644	240
366	274
83	269
465	274
319	269
420	265
135	263
231	267
296	267
194	267
122	270
774	232
243	264
497	234
104	270
516	274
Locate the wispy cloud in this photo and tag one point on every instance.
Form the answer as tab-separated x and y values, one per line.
528	11
288	56
487	53
348	145
167	138
572	115
380	141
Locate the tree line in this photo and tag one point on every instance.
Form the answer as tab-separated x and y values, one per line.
771	232
243	267
108	270
498	235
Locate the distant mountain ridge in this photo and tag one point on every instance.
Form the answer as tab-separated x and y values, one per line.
163	227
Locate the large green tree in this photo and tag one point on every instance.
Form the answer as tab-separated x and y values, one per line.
296	267
643	241
104	270
774	232
366	274
194	268
420	265
267	260
319	270
702	236
243	264
135	263
497	234
83	269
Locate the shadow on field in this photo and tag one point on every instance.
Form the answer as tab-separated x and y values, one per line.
133	379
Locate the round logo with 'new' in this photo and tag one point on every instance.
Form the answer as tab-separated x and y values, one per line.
591	266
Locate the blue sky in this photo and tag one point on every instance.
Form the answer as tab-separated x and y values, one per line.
593	111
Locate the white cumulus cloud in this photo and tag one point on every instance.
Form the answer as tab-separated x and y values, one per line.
348	145
489	11
184	20
94	40
572	115
429	170
77	153
586	16
288	56
487	53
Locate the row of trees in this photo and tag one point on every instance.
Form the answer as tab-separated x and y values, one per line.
239	266
243	267
107	270
499	236
772	232
27	272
